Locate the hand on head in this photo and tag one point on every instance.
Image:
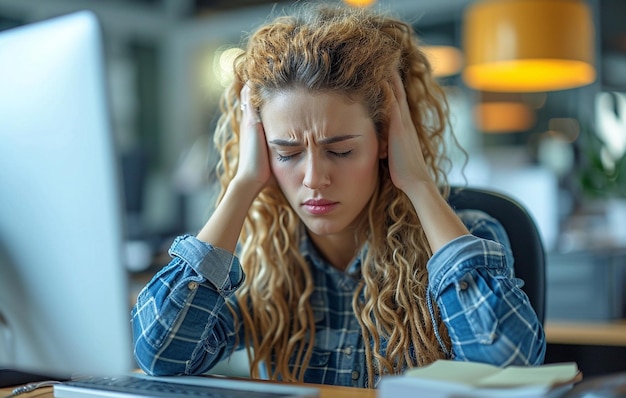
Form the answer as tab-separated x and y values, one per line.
406	160
254	165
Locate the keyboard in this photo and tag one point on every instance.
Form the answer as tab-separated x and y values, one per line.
133	386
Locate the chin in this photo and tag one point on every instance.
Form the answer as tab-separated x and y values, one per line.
328	226
324	228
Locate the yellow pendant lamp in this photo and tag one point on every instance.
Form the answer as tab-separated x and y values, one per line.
503	117
528	45
445	60
359	3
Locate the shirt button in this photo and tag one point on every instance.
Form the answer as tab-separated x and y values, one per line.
463	285
355	375
348	350
192	285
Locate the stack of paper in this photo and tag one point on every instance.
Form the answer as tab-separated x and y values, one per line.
447	379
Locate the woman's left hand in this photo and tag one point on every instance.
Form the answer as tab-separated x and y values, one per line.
406	160
410	173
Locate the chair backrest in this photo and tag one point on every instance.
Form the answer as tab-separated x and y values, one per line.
526	244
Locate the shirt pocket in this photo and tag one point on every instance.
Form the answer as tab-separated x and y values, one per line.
148	326
319	358
158	310
317	370
478	300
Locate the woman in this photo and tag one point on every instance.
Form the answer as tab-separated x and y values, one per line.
333	197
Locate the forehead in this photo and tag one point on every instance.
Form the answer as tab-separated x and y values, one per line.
298	111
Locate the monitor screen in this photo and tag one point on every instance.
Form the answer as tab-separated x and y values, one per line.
64	301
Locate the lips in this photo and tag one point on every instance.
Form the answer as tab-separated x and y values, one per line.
319	207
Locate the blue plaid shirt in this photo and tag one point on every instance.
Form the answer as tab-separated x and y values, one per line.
182	326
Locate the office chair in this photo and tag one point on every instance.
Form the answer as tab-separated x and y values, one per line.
526	243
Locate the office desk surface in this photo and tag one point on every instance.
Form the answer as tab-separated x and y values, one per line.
587	333
325	392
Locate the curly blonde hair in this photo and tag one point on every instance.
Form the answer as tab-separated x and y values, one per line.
353	52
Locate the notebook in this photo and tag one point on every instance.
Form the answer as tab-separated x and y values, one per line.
459	379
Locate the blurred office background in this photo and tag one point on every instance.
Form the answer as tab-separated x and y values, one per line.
558	150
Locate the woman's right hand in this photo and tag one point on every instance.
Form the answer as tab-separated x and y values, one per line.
254	166
253	174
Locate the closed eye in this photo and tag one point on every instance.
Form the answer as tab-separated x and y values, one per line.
285	158
341	154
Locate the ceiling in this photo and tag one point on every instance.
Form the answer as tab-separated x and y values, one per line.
443	17
431	18
612	16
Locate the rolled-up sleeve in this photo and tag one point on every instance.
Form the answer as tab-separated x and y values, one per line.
488	316
180	323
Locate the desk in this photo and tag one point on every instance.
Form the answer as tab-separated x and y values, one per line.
587	333
599	348
325	392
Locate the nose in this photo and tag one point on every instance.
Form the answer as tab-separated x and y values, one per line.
316	172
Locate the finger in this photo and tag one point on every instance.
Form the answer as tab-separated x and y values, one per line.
400	95
247	110
396	112
398	87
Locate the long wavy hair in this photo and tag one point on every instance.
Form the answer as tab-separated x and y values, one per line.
353	52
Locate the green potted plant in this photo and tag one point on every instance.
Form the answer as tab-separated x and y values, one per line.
602	177
602	171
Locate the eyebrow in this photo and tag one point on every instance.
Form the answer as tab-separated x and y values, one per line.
323	141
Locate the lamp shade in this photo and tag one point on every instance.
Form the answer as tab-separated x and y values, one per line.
503	117
445	60
359	3
528	45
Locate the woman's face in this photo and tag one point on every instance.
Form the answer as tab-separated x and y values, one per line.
324	154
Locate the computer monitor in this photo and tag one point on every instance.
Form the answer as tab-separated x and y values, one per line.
64	301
